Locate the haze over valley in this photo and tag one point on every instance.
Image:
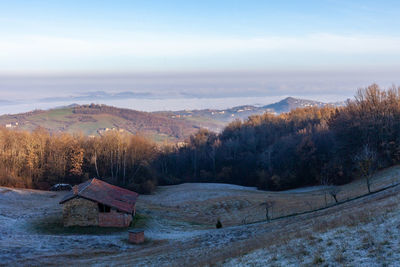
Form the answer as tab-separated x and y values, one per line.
179	91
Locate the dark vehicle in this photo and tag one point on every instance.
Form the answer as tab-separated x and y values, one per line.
61	187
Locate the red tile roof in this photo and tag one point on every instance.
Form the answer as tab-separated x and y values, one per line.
107	194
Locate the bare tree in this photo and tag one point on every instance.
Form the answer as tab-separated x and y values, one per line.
95	163
366	163
334	191
325	181
269	205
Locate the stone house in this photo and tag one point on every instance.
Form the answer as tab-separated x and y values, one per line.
97	203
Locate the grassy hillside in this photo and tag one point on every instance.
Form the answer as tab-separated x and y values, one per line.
179	223
96	119
204	203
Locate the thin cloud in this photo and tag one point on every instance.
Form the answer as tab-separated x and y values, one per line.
62	53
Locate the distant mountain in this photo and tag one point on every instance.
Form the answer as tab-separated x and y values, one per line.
5	102
291	103
99	96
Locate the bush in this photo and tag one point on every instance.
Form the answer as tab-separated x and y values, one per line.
318	260
146	187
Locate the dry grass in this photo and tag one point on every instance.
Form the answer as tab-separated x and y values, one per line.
283	238
246	206
309	228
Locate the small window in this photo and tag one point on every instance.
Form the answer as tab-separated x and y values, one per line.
104	208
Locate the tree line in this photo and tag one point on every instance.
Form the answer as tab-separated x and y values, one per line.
307	146
39	159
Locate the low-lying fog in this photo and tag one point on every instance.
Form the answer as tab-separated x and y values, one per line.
177	91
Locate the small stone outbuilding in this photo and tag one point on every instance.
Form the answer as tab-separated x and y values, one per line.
97	203
136	236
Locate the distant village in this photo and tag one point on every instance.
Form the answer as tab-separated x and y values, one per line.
11	125
102	131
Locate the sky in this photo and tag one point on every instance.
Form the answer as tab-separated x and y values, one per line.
171	47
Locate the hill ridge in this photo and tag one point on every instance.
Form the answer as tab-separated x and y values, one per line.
94	119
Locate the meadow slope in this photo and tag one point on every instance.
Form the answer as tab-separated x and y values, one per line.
180	228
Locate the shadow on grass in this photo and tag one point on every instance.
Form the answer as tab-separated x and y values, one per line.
147	241
53	225
140	221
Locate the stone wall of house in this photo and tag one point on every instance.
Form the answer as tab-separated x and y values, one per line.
80	212
114	219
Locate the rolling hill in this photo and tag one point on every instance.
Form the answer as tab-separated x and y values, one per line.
96	119
160	126
220	117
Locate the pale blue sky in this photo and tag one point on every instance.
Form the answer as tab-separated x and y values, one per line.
125	36
175	49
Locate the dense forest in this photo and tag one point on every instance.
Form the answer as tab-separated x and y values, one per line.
307	146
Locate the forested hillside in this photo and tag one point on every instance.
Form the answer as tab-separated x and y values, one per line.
217	119
307	146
